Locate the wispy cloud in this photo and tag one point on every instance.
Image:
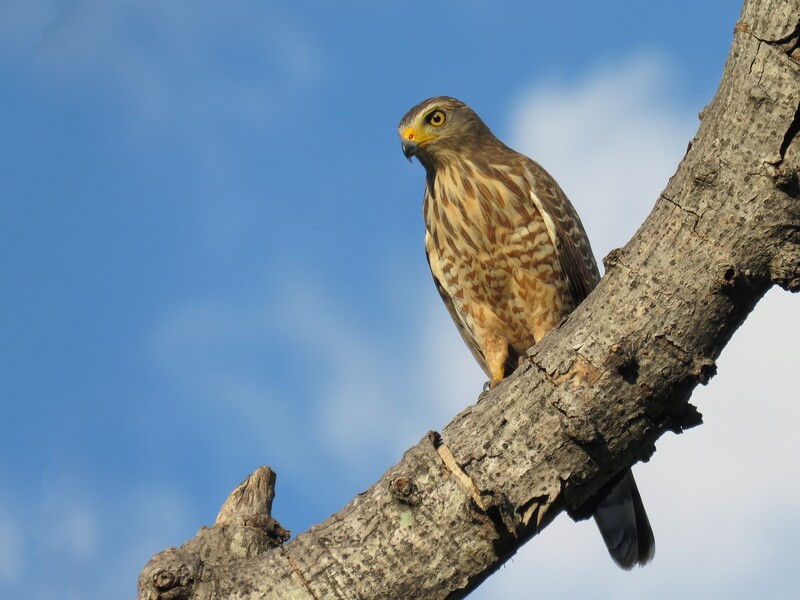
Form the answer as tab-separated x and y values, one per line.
22	23
53	537
199	66
10	546
361	394
73	530
611	139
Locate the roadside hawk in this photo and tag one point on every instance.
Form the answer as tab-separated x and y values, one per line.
510	258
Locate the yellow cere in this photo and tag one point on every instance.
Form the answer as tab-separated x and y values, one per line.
417	135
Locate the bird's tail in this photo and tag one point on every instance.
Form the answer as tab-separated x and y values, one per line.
624	526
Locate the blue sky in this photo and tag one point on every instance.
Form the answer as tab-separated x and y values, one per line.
211	255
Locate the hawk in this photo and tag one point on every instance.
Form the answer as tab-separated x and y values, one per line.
510	258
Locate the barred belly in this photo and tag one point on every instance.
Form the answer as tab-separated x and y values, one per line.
502	274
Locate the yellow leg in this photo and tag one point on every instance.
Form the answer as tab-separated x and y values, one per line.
496	353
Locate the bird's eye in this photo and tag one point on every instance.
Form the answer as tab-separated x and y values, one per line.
437	118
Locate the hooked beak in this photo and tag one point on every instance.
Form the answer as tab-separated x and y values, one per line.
409	148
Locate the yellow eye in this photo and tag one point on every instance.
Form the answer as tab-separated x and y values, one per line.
437	118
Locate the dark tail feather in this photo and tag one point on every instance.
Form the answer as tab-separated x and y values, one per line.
624	526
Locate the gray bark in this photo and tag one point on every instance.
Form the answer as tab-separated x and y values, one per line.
590	400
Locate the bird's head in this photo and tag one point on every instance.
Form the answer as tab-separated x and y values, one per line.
440	126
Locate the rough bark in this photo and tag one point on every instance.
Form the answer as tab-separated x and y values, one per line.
592	397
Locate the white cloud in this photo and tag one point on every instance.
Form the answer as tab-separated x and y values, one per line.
611	140
722	498
22	23
74	531
10	547
367	397
55	532
182	63
446	366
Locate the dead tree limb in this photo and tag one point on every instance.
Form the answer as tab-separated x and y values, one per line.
592	397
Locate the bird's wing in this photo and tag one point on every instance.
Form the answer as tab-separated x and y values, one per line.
566	232
458	319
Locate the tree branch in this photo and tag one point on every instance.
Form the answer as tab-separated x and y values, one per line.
590	400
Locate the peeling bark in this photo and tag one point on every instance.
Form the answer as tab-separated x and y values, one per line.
590	399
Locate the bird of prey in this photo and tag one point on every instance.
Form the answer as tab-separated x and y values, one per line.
510	258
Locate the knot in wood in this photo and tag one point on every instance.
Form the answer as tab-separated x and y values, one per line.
170	575
623	360
786	178
733	283
163	580
704	369
266	524
613	258
730	276
404	489
172	585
